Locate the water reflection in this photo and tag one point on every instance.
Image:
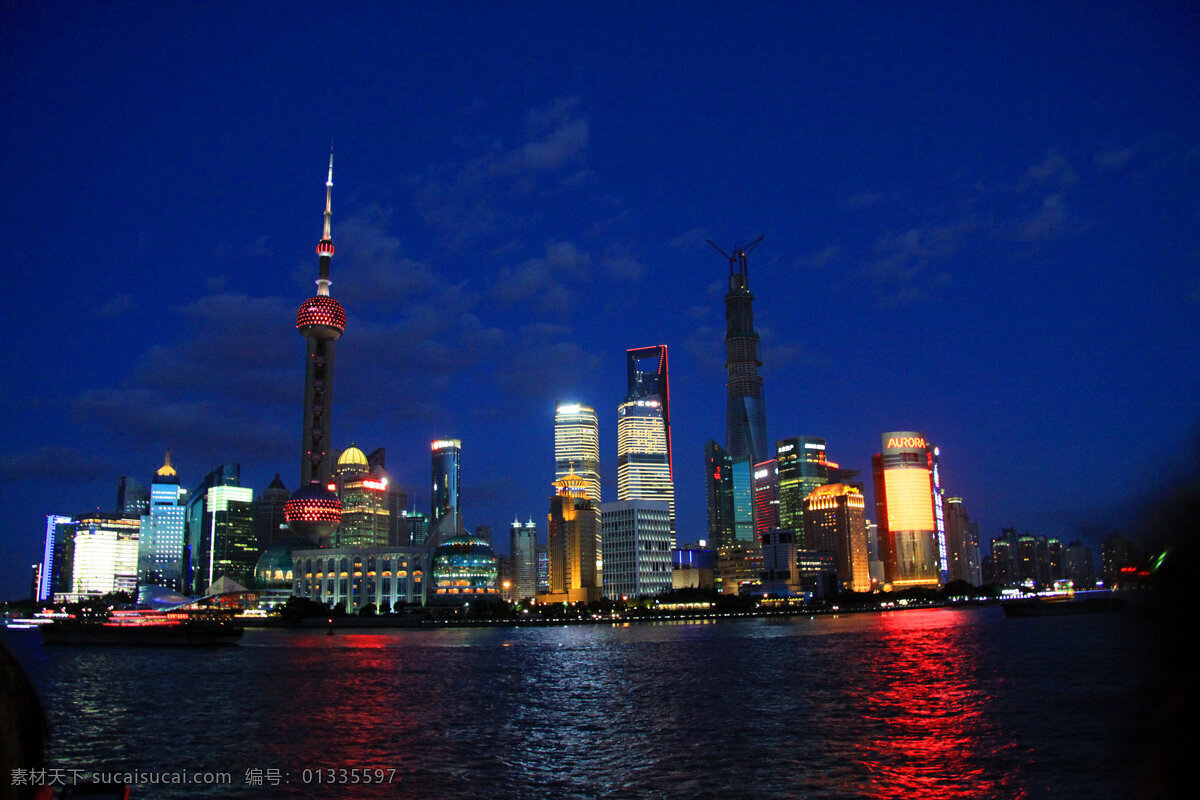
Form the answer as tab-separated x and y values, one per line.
929	703
938	704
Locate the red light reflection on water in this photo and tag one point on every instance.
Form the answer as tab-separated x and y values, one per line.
930	718
356	716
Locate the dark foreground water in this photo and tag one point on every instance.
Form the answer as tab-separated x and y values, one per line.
927	704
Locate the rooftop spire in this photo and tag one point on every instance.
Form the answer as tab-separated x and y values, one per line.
328	197
325	246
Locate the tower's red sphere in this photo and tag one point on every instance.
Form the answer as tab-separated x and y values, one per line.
321	316
313	512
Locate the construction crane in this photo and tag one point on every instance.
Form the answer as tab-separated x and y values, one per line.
737	260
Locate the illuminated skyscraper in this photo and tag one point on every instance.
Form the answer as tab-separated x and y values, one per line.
105	554
801	470
443	488
644	468
939	511
904	505
577	446
314	511
962	543
718	491
229	546
199	526
366	516
522	549
637	543
574	543
835	519
746	412
766	498
57	557
162	531
133	498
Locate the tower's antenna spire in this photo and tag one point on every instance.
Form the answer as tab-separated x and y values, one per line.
328	196
325	246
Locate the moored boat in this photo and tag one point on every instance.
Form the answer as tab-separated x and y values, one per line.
150	628
1062	604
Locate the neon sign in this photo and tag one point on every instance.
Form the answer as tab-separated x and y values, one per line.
905	441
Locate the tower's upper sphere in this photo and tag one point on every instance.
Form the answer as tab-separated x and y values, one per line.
321	316
313	512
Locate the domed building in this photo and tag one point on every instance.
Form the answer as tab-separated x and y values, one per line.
464	568
273	573
352	463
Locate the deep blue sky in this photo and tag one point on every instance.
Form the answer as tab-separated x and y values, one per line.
981	221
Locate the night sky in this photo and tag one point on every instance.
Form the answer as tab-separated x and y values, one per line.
981	221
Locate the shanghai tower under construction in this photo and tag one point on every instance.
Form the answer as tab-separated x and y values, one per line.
745	411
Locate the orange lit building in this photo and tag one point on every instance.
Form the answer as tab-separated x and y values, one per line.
574	544
835	519
908	544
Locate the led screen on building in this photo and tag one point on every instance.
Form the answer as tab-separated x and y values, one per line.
909	499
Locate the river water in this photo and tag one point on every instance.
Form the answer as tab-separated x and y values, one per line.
945	703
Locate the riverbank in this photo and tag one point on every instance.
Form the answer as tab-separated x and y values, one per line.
446	618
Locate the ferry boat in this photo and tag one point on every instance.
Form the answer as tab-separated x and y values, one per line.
1071	603
140	627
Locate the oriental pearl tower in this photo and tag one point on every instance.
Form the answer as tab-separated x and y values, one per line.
314	511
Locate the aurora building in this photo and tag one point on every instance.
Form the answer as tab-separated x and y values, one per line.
904	506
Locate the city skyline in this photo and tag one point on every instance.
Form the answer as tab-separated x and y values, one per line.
979	225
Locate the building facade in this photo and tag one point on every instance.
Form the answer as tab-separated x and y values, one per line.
229	542
766	498
389	577
802	468
575	568
645	463
268	514
54	577
780	575
835	518
162	531
908	535
718	494
443	487
104	557
522	554
577	446
366	511
962	544
637	543
746	411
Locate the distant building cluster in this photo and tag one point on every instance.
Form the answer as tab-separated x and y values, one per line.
783	520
